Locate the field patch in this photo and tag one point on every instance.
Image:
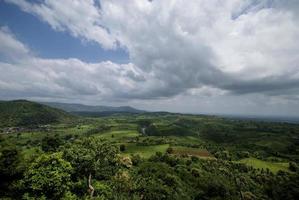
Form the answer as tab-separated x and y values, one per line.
260	164
118	135
145	151
180	150
191	140
77	130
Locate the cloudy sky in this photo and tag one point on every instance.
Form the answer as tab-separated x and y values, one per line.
197	56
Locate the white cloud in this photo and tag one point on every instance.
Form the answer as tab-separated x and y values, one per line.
201	41
80	17
11	49
60	78
189	44
176	47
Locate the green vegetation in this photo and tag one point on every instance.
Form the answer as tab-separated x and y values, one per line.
119	135
48	176
144	156
260	164
145	151
25	113
188	151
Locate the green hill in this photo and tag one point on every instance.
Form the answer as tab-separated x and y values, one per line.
80	108
26	113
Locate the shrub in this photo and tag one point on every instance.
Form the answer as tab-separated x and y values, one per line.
170	150
293	166
122	147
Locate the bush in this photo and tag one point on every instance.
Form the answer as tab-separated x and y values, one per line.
293	166
122	147
49	176
51	143
169	150
136	159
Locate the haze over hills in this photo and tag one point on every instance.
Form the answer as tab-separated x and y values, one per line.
81	108
48	112
23	113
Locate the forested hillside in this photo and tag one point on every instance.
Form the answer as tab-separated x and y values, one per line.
26	113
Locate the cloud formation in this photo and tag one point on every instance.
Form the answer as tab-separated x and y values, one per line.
11	48
80	17
176	47
24	75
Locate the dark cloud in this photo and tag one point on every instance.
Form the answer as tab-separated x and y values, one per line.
190	49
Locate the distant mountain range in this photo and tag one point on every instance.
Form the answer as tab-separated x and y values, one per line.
17	113
81	108
26	113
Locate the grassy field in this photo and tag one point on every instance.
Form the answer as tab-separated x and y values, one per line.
179	150
186	139
260	164
145	151
75	130
119	134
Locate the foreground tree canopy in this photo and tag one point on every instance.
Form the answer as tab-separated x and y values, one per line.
48	176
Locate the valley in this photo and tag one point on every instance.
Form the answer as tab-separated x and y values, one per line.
146	156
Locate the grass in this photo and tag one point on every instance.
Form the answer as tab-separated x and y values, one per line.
279	144
186	140
21	139
260	164
118	135
145	151
179	150
77	130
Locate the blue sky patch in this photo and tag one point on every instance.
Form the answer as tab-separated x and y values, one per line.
48	43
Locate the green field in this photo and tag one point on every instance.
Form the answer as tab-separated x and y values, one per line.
145	151
118	135
202	153
260	164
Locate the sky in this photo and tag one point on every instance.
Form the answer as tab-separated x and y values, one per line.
197	56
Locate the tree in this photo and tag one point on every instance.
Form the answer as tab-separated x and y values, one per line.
152	130
170	150
93	157
293	166
51	143
136	159
49	176
156	180
122	147
9	159
10	169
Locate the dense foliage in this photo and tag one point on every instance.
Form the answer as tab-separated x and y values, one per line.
151	156
25	113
